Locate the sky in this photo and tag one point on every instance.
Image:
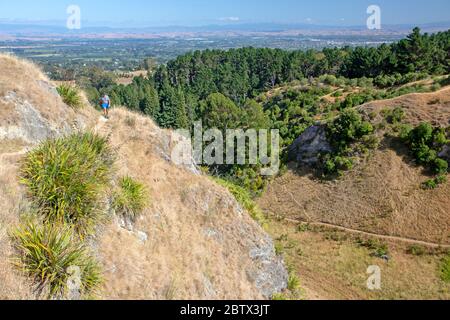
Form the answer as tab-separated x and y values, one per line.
205	12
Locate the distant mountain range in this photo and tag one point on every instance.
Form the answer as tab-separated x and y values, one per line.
21	29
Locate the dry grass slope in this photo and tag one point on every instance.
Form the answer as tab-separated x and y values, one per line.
194	240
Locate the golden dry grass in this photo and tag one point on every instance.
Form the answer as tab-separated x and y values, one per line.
22	82
433	107
336	269
13	284
195	236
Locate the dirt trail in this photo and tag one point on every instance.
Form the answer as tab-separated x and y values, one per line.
310	221
379	236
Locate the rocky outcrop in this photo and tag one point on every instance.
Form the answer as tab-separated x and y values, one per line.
307	148
29	126
445	153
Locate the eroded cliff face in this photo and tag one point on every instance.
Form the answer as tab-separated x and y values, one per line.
194	241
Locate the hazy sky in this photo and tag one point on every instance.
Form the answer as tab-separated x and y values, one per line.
200	12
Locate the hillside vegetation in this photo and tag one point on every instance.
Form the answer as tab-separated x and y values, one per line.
95	209
195	85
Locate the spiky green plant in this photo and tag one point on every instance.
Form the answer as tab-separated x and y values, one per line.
67	178
293	282
48	252
70	96
131	198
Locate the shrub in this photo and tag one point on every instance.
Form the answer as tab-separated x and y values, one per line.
440	137
343	163
395	115
405	131
347	103
377	248
347	128
70	96
131	198
293	282
445	269
365	82
421	134
371	141
279	248
66	178
424	154
328	79
435	87
336	164
47	254
425	143
429	184
416	250
434	183
441	179
440	166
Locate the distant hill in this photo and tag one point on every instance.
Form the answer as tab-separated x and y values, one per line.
58	29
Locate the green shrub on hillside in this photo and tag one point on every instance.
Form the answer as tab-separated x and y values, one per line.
445	269
435	182
416	250
337	94
348	127
67	177
404	130
378	248
440	137
244	199
425	143
131	198
439	166
394	116
344	131
293	282
70	96
336	164
52	256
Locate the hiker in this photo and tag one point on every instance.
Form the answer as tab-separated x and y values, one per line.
105	103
